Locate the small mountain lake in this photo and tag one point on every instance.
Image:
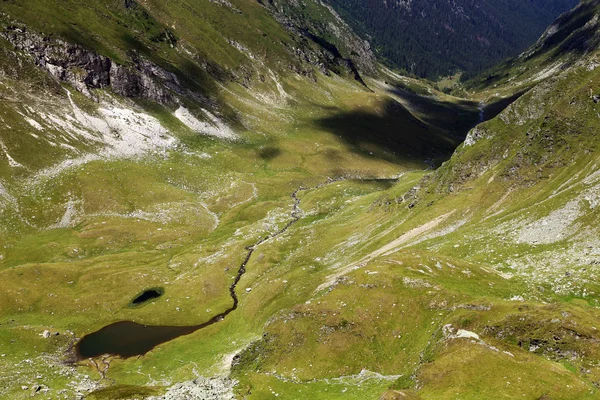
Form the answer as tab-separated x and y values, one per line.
147	295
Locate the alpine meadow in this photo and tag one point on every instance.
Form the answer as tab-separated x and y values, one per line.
300	199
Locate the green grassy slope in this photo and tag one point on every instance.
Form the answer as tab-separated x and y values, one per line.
84	231
394	282
518	202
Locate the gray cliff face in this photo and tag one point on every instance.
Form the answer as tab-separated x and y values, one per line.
359	49
329	45
85	69
145	80
346	51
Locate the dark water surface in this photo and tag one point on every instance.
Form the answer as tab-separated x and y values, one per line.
149	294
128	339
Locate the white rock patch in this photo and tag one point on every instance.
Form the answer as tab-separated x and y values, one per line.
552	228
131	133
126	133
117	131
11	161
34	123
5	195
200	389
69	217
548	72
464	334
216	128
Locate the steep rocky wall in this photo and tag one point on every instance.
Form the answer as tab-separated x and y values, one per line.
329	46
86	70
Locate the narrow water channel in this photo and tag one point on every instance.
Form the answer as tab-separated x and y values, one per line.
128	339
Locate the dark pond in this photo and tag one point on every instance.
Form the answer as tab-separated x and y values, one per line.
147	295
128	339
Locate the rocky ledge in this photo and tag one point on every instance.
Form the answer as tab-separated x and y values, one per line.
86	70
200	389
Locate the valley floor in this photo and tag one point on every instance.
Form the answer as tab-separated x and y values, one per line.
372	285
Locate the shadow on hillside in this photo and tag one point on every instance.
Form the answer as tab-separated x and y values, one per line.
268	152
493	109
454	118
393	134
431	134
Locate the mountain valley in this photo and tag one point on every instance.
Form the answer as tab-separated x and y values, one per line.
235	199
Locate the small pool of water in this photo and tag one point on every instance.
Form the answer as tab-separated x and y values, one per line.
128	339
147	295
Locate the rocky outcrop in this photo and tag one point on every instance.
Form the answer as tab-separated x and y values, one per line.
345	53
144	80
87	70
475	135
200	389
360	51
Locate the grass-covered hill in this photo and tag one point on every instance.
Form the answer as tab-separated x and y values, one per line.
250	163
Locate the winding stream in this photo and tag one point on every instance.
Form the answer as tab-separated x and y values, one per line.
128	339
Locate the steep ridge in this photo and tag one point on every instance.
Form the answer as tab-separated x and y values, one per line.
568	41
438	38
